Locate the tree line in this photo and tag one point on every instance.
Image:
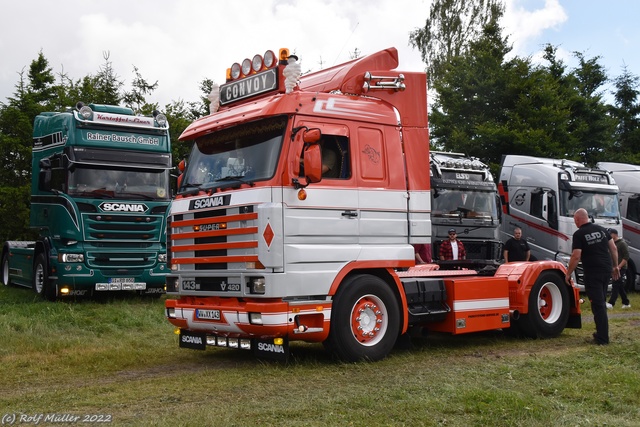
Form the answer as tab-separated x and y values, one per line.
487	103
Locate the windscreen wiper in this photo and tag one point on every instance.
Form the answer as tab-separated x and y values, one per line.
238	178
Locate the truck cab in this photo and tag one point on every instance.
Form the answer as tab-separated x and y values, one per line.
464	196
99	200
540	196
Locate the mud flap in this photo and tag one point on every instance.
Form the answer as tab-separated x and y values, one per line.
267	349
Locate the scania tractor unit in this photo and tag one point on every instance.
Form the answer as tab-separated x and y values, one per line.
464	196
540	196
628	180
296	214
99	201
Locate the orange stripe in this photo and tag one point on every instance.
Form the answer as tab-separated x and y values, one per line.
215	219
197	234
214	246
215	260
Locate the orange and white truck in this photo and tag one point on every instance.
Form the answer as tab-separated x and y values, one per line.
297	210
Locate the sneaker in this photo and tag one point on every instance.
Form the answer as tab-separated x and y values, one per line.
626	305
609	306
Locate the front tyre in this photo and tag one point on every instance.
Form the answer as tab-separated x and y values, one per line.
365	320
41	284
548	307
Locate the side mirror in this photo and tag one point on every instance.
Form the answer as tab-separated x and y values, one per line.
313	163
44	176
311	136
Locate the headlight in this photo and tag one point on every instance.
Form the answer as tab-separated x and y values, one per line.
71	257
161	119
257	285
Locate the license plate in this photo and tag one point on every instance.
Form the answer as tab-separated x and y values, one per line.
208	314
121	280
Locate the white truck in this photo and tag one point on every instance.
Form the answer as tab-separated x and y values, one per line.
540	196
628	179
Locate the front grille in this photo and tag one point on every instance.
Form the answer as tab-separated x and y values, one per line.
214	239
121	259
126	227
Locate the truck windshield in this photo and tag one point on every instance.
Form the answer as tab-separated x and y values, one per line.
107	183
242	154
463	203
598	205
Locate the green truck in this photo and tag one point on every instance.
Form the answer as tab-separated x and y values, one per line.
99	199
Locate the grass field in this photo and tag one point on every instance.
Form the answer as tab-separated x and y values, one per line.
119	360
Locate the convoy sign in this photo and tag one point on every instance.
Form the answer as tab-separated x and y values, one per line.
265	81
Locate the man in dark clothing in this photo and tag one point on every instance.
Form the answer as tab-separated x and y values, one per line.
617	287
593	246
516	249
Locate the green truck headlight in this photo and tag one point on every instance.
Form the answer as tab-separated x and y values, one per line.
71	257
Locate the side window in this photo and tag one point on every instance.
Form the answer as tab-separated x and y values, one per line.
58	175
536	204
633	209
336	163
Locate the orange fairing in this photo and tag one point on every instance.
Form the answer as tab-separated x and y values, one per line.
522	276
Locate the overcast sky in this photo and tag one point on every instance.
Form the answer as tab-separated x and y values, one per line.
180	42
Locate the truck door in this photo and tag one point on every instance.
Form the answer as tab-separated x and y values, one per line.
329	213
382	195
544	217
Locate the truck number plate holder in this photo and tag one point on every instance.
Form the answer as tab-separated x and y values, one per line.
208	314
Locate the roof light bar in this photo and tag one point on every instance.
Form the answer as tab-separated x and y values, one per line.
256	64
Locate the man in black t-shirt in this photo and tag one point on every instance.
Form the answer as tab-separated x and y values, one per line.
593	246
516	249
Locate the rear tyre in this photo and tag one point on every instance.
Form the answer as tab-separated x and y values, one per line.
41	284
365	320
5	269
548	308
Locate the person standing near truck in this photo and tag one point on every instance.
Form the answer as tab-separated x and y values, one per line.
423	253
516	248
452	249
617	287
593	245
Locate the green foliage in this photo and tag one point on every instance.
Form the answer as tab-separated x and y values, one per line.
488	106
451	27
626	113
14	213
